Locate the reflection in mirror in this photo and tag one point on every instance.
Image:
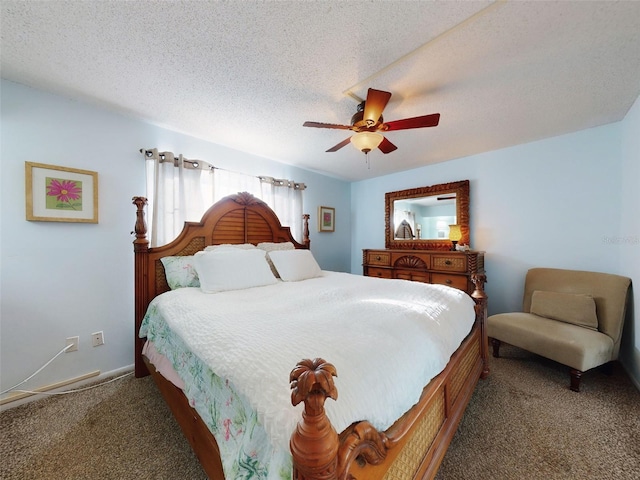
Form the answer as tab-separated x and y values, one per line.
419	218
424	217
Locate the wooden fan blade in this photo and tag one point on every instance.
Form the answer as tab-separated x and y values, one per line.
340	145
374	105
386	146
326	125
415	122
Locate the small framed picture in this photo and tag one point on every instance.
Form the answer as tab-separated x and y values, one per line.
60	194
326	219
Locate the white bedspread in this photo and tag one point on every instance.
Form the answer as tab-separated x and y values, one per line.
386	338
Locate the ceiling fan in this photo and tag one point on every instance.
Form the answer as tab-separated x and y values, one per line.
367	122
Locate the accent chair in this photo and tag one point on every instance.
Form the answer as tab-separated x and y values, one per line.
570	316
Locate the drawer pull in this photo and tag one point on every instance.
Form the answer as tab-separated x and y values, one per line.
447	262
378	258
448	281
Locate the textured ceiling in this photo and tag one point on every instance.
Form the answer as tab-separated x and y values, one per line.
248	74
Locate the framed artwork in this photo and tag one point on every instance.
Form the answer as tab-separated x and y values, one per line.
60	194
326	219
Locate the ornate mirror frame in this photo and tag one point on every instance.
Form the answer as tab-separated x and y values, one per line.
461	189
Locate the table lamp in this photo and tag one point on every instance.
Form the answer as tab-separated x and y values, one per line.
455	234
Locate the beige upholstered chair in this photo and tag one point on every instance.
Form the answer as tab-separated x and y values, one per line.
569	316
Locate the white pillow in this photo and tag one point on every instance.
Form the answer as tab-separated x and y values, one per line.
232	269
244	246
294	265
272	246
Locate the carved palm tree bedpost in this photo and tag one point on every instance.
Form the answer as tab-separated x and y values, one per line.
141	250
314	444
480	297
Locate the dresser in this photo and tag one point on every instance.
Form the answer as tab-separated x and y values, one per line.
429	266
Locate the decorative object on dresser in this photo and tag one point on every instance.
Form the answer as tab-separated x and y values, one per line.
454	269
429	211
455	234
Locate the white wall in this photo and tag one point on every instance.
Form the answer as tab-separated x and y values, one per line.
554	203
62	279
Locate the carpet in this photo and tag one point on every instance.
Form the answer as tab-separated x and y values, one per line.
522	423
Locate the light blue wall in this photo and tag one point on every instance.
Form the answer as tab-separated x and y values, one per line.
569	201
548	203
61	279
554	203
629	233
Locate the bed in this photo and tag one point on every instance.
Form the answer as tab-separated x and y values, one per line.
411	445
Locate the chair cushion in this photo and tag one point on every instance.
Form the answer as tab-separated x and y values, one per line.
575	308
577	347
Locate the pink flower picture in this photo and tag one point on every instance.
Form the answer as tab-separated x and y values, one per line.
63	194
326	219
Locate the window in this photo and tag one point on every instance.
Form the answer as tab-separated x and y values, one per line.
181	190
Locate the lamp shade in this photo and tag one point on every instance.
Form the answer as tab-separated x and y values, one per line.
366	141
455	234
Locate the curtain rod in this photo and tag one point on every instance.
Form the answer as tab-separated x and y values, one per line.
196	163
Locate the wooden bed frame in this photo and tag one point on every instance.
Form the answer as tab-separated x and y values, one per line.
412	448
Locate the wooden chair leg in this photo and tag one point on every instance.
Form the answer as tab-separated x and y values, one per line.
575	379
495	343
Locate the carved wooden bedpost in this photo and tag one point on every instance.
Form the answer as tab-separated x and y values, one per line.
314	444
480	298
305	231
140	249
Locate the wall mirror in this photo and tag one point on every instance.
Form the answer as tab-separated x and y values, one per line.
419	218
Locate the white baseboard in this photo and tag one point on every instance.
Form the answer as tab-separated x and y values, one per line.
20	398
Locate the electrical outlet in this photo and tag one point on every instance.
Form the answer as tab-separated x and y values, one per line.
73	341
97	339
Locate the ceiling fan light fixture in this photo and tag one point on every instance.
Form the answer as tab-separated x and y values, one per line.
367	141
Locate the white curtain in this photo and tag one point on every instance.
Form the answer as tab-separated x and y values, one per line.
179	190
226	183
285	198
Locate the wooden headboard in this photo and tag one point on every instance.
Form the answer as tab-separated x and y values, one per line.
236	219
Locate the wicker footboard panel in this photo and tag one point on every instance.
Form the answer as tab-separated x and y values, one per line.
407	463
420	448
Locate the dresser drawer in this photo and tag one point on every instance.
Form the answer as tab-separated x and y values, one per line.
410	260
449	263
378	258
379	272
413	275
443	267
455	281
